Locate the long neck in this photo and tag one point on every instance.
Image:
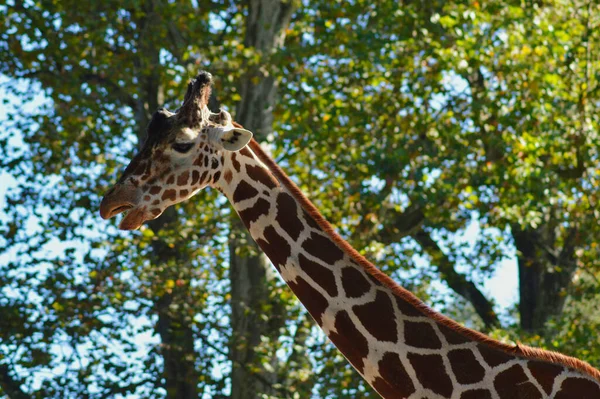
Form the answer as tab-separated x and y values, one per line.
400	347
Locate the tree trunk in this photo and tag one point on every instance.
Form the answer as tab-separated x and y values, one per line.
266	23
545	275
177	349
250	301
174	325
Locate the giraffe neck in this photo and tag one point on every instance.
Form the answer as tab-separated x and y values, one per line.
401	348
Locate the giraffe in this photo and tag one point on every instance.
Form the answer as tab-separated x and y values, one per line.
402	348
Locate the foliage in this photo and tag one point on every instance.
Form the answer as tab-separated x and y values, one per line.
401	122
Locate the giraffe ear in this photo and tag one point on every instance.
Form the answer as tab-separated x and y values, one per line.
233	139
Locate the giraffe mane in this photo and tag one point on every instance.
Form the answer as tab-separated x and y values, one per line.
519	350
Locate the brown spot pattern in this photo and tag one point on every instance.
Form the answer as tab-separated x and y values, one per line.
262	175
320	274
323	248
374	279
171	179
251	215
310	220
155	190
513	383
183	193
203	177
493	357
246	152
139	169
421	335
452	336
407	308
585	389
349	340
545	374
431	372
378	317
216	176
228	176
170	195
275	247
244	191
183	178
354	283
287	215
195	177
234	162
395	382
465	366
312	299
476	394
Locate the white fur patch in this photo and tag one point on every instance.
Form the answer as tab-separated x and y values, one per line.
289	272
328	322
187	134
371	370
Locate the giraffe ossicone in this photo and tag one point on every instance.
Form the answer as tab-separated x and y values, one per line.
401	347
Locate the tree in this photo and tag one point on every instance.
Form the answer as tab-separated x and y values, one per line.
404	123
472	112
125	61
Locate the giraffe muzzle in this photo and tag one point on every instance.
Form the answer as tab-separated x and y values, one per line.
119	199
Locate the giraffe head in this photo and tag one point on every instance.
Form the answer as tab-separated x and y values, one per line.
183	153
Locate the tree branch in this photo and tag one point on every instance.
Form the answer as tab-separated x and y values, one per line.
409	223
403	224
457	281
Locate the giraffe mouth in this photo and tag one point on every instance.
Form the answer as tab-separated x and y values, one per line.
133	219
122	198
121	209
107	212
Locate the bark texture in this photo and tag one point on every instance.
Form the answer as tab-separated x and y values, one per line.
266	23
545	274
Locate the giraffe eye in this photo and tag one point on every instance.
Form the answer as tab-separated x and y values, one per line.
182	147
